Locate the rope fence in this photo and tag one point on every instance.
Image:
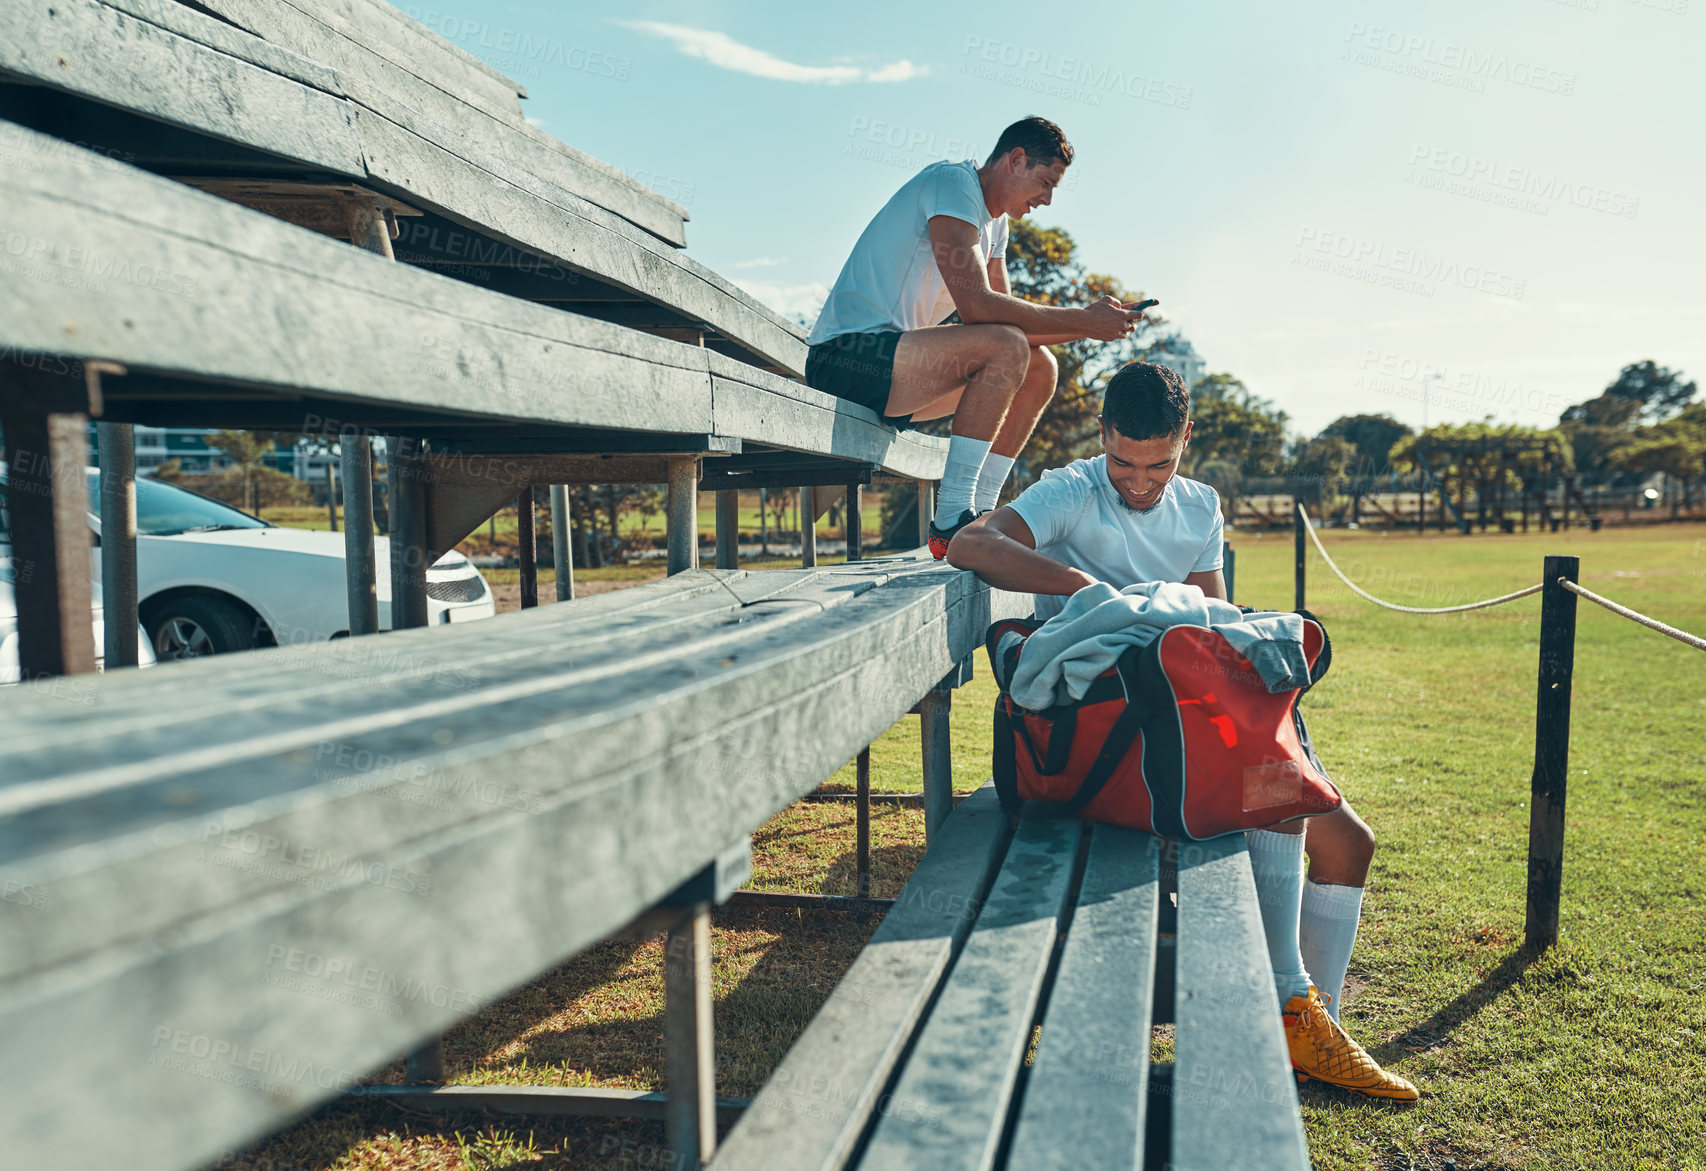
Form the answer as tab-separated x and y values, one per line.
1548	785
1682	636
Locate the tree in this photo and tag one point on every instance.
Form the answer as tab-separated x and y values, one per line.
248	451
1234	435
1372	436
1676	447
1043	267
1643	392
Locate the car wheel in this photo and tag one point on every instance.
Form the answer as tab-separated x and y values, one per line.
192	628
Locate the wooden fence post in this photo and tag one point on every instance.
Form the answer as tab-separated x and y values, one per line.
1551	752
527	548
1297	543
117	445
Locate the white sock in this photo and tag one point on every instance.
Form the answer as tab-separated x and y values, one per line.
989	481
1276	860
959	477
1326	934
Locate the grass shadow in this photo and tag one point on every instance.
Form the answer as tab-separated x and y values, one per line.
1444	1021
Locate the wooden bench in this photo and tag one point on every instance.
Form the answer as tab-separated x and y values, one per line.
450	811
921	1058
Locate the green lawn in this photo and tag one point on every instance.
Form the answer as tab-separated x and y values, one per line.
1593	1056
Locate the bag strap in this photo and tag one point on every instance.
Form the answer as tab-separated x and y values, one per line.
1120	738
1318	669
1005	767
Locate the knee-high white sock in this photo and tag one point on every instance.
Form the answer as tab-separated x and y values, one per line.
989	481
1276	860
1326	934
959	477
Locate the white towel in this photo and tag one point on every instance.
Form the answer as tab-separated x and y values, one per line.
1099	624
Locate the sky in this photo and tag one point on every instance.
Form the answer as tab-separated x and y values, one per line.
1470	208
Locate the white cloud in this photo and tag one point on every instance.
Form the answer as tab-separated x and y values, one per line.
760	262
725	52
795	302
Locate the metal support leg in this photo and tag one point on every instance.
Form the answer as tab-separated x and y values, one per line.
855	523
356	460
933	711
408	534
862	788
426	1064
728	529
562	551
926	510
49	503
118	542
691	1113
682	514
527	548
808	527
1229	569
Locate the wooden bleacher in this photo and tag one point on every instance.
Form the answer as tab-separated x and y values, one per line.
453	810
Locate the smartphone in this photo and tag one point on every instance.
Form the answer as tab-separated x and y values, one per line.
1142	305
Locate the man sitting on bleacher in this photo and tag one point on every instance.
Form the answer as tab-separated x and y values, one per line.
937	248
1126	517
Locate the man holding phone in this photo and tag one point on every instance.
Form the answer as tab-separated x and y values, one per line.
938	248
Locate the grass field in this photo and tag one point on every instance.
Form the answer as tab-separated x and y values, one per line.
1592	1056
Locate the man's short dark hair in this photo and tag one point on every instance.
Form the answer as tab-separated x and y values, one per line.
1146	401
1043	142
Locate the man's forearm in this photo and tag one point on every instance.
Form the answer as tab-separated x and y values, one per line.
1007	564
1043	320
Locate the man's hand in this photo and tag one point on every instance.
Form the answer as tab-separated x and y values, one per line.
1108	320
1001	550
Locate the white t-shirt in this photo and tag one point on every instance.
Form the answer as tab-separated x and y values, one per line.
891	281
1078	518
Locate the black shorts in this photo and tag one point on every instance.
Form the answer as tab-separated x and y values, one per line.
858	367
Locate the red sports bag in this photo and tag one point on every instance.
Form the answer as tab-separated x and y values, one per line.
1180	738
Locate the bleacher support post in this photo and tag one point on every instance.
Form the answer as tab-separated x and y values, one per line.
728	529
1229	570
862	821
356	459
926	510
688	1045
406	472
562	553
1551	752
934	711
46	451
682	514
808	527
117	443
1298	563
855	522
527	548
426	1064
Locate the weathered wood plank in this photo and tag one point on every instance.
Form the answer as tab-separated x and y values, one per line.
1234	1097
388	33
1087	1091
369	69
172	281
458	175
751	398
216	873
951	1098
813	1109
120	59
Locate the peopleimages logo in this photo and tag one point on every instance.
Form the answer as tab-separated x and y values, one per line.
1497	182
1450	62
1410	269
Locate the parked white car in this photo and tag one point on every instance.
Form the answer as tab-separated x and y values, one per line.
9	669
211	579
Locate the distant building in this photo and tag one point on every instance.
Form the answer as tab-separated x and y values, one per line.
1181	355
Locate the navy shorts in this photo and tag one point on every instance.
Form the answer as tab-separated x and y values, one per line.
858	367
